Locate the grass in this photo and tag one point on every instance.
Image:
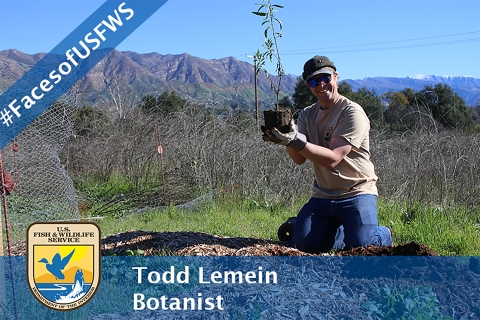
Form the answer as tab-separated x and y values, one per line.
448	231
226	216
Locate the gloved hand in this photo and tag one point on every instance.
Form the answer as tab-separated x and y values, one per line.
292	138
268	136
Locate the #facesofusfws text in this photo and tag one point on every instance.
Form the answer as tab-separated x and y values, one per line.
90	42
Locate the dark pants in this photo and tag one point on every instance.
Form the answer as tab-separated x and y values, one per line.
325	224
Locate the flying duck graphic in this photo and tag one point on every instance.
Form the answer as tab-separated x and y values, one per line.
58	264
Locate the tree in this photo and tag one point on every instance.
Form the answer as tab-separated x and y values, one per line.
166	103
445	105
149	104
371	103
398	110
302	97
170	102
368	99
91	122
409	93
345	89
285	102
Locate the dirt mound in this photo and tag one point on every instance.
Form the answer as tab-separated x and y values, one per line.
409	249
193	244
202	244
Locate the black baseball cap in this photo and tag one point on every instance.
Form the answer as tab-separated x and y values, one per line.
316	65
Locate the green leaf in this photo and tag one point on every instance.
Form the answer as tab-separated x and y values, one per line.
279	22
262	14
277	6
266	32
387	290
409	304
261	6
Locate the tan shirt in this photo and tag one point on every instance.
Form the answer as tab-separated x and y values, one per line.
354	174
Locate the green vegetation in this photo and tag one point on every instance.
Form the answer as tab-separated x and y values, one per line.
428	173
409	303
166	103
448	232
225	216
428	183
405	110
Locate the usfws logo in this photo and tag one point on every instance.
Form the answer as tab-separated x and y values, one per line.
63	263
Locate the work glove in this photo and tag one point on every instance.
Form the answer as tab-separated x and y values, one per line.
292	138
268	136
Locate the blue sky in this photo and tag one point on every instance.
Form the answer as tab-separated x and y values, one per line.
365	38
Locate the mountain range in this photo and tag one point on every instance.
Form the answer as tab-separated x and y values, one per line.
215	82
466	87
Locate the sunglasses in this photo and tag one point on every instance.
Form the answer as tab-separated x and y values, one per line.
316	81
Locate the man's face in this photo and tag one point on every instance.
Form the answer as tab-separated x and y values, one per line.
324	87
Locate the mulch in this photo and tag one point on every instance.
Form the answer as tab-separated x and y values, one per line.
203	244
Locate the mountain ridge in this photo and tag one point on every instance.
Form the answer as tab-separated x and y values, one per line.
466	87
226	80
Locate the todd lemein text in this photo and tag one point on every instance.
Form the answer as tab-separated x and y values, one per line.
182	276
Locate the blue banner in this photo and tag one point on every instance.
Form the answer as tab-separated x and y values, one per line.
70	60
172	287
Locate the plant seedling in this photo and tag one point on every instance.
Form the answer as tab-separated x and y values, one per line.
279	118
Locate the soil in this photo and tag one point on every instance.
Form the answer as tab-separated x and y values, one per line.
409	249
279	118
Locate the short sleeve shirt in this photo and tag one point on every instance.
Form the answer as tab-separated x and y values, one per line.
354	174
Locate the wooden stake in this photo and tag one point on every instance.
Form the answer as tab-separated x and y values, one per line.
160	152
3	298
5	207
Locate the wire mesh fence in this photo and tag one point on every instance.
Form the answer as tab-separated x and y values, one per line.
43	190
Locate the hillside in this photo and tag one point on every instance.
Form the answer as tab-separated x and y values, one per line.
225	81
210	82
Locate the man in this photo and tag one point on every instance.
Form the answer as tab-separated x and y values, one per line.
333	134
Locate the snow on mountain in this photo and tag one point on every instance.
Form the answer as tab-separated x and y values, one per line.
419	77
466	87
